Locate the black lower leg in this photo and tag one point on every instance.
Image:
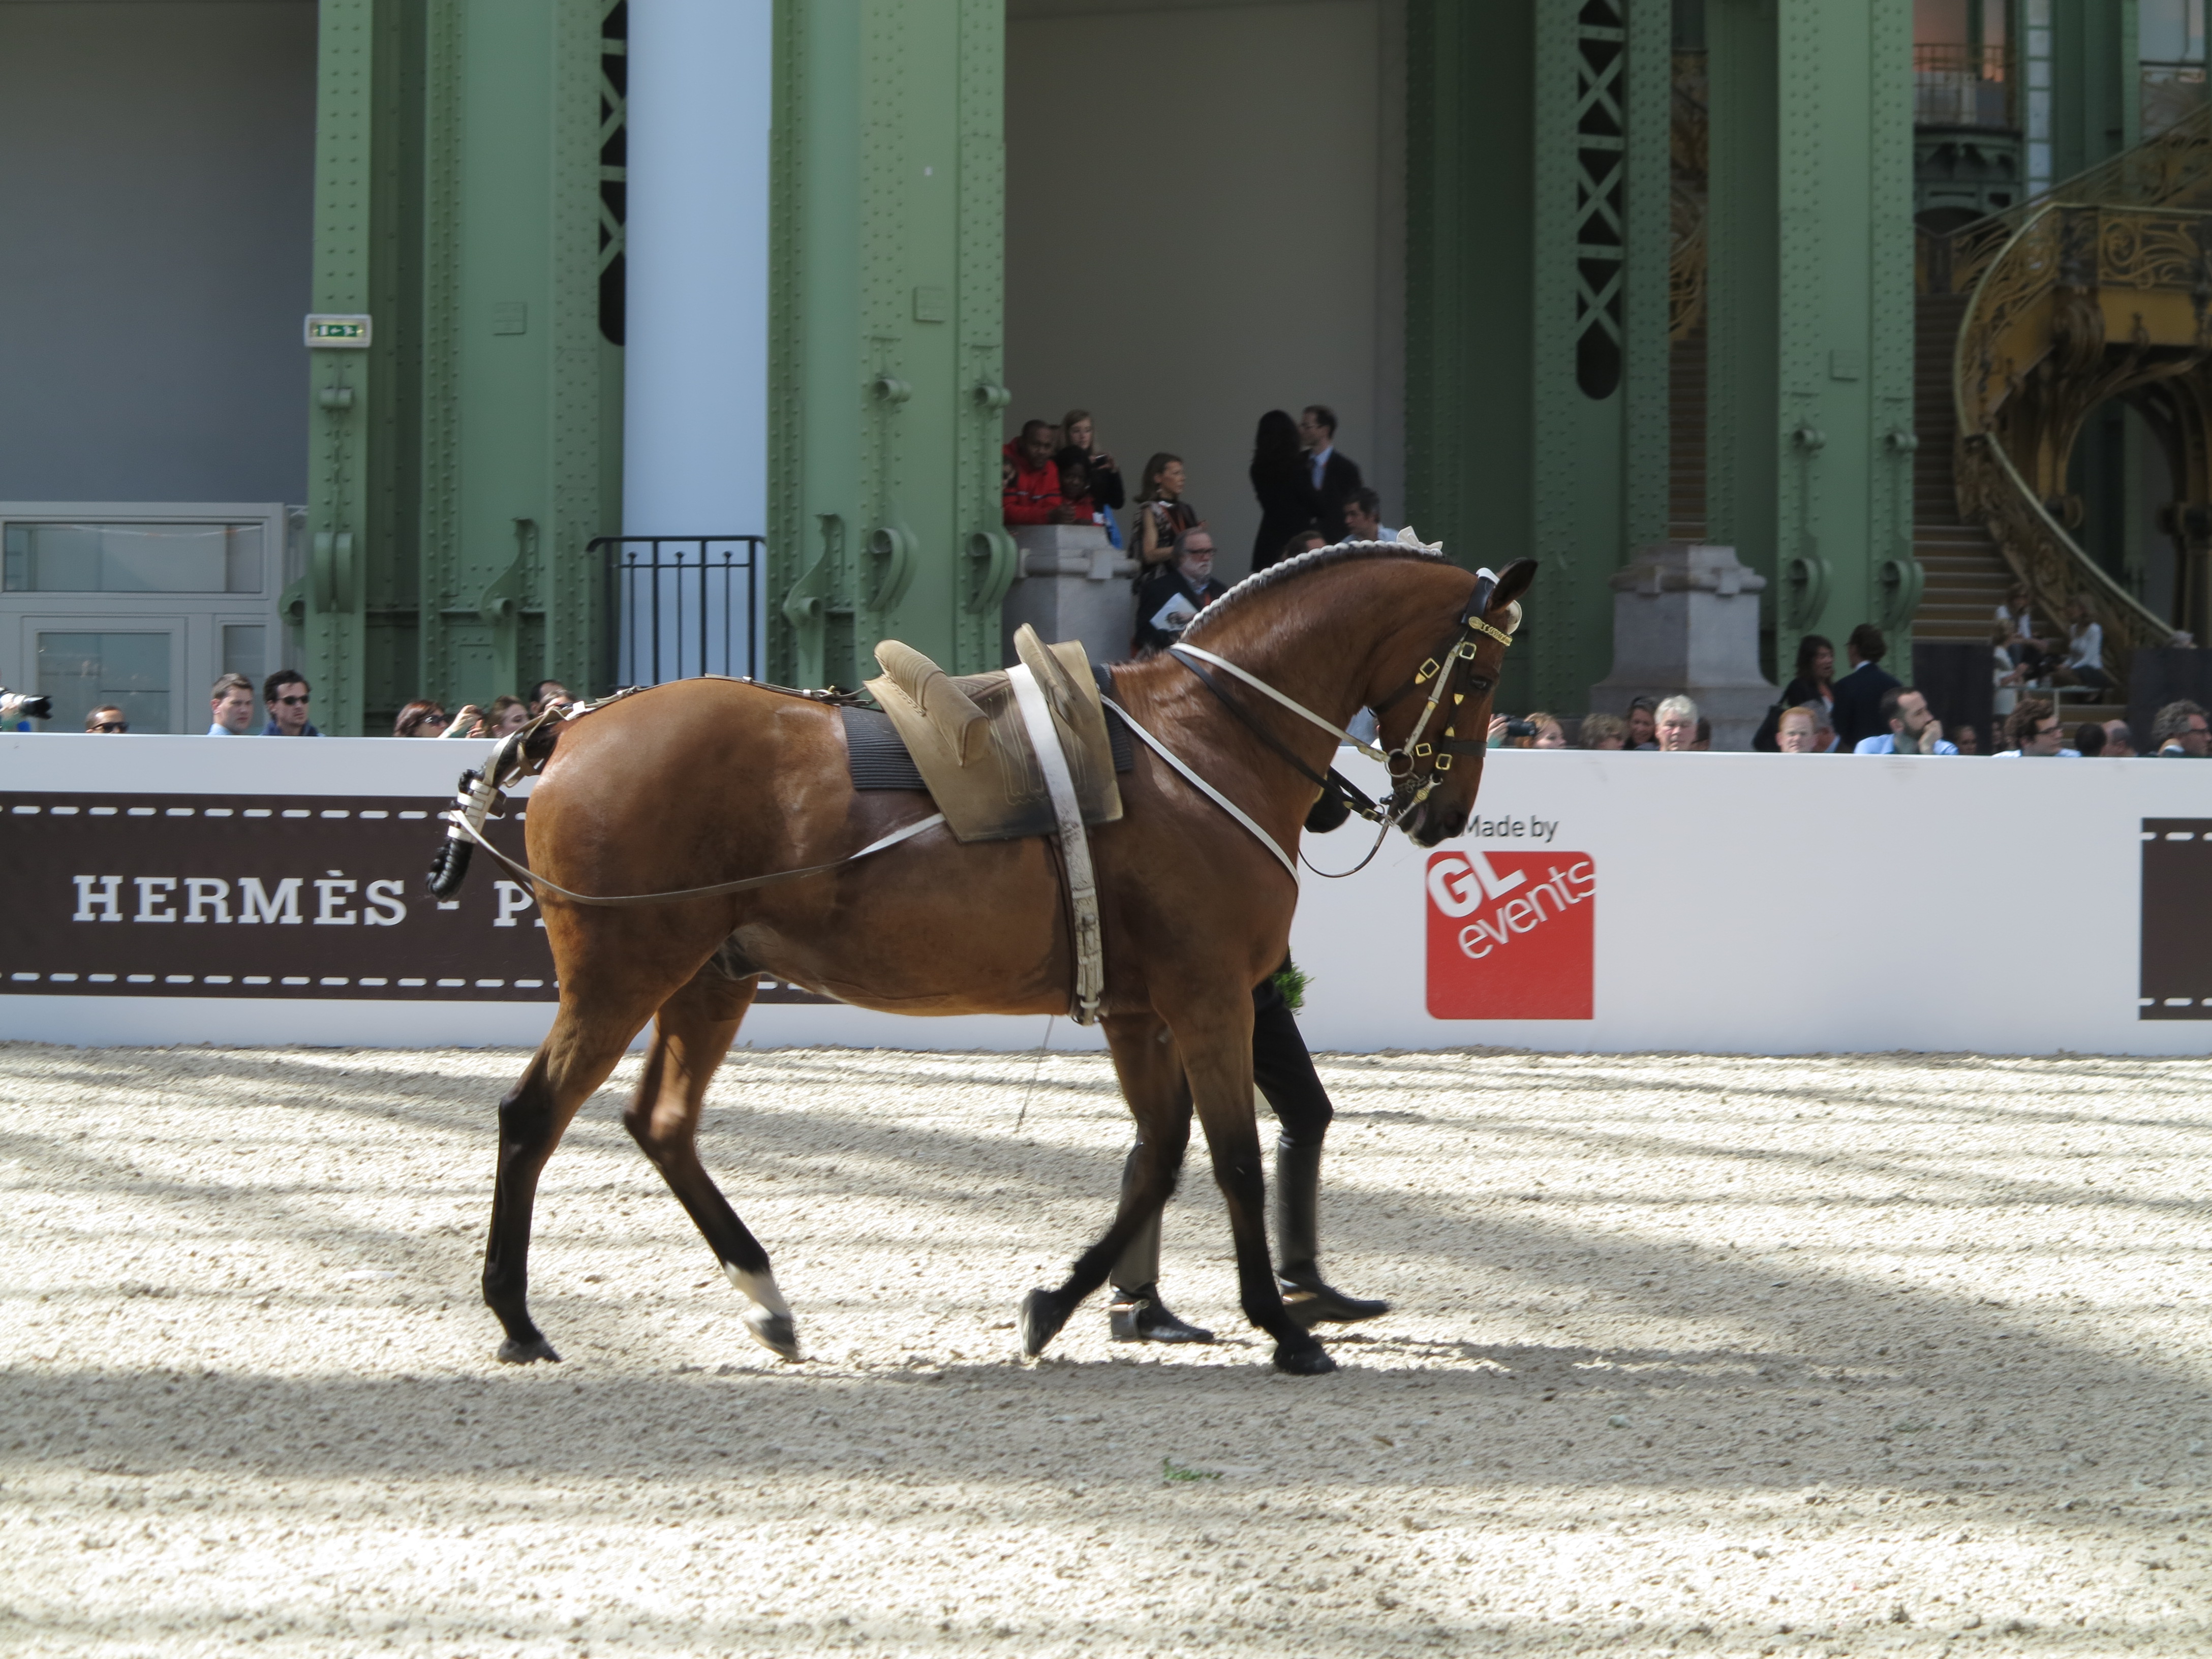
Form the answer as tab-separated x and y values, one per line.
526	1135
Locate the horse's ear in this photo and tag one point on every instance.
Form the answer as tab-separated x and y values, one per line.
1512	583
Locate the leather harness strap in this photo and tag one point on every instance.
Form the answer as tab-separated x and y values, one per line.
1074	842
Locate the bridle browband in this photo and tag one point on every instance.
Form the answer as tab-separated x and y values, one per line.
1415	766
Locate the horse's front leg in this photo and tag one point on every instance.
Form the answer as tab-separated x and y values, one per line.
1158	1095
1215	1036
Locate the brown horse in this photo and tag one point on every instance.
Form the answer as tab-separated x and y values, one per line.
708	781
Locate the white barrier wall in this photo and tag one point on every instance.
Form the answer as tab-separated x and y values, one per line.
1724	903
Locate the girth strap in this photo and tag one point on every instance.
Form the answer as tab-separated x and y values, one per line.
1074	842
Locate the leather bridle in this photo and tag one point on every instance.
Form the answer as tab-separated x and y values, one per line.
1417	765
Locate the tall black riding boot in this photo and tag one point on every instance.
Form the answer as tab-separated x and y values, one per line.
1137	1314
1309	1298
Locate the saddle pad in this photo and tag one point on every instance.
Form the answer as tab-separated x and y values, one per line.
877	760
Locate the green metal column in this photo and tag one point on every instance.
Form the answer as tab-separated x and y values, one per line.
468	195
349	387
521	400
885	334
1536	380
1808	422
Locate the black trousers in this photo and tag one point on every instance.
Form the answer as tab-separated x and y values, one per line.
1284	1072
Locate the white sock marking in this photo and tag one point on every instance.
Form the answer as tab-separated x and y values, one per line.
760	1288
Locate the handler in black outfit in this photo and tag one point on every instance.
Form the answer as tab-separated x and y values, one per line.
1284	1074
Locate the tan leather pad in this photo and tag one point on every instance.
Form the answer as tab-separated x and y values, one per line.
984	776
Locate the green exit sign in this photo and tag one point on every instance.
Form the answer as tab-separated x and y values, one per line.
346	332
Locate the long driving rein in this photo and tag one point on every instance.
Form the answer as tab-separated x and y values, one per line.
1415	767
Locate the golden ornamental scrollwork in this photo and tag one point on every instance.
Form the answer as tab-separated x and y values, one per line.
1685	265
2037	352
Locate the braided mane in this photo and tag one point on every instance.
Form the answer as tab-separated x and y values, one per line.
1288	570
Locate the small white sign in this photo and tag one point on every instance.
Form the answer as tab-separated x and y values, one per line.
326	331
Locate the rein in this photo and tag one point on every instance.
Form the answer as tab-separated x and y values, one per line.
908	832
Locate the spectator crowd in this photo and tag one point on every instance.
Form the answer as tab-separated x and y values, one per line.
1309	493
285	696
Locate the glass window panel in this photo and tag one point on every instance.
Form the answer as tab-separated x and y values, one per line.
81	671
134	558
1993	21
245	650
2162	30
2039	12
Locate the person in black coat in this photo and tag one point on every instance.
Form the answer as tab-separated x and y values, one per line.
1857	706
1334	477
1282	481
1188	578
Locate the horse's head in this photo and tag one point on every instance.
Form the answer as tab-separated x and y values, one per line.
1436	732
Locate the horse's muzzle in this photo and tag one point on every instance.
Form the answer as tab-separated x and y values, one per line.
1431	823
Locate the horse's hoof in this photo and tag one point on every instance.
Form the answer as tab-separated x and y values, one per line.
1041	1318
772	1331
1308	1359
516	1352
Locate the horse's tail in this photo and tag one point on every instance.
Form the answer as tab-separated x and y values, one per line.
519	755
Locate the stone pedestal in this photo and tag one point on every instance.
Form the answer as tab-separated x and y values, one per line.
1686	620
1073	584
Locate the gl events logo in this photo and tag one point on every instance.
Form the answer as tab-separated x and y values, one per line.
1510	935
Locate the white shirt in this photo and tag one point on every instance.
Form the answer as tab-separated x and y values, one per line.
1321	462
219	730
2088	648
2015	754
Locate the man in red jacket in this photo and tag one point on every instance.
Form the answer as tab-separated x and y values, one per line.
1032	481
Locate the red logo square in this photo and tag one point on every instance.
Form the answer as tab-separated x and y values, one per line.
1510	935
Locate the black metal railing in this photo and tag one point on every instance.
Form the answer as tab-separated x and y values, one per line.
1962	86
681	605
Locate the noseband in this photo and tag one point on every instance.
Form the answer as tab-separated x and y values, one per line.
1417	765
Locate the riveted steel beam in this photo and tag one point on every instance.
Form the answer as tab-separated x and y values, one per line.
1808	418
886	359
1536	307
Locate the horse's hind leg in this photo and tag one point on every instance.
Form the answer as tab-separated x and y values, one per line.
1150	1070
694	1031
588	1037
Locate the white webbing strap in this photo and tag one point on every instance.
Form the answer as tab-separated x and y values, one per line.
1205	788
1074	842
1266	689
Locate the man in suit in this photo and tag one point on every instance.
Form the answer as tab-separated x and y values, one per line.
1335	477
1858	711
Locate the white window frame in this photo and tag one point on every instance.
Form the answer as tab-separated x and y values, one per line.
199	617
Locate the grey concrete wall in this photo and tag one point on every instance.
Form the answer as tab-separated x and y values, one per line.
1204	220
156	192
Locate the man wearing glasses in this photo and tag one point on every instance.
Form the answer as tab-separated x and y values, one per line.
286	694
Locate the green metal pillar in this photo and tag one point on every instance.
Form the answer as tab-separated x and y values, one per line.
468	202
1809	410
1536	307
352	390
522	365
886	336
